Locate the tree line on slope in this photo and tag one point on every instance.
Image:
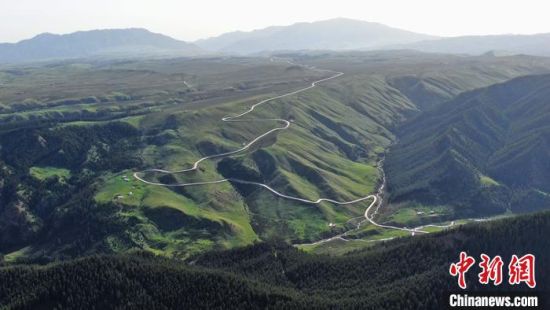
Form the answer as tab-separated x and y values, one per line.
402	274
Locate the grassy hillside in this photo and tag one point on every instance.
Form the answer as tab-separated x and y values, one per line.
72	154
406	273
484	152
319	156
84	128
428	80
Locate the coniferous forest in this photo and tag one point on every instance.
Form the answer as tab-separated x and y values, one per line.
399	274
337	164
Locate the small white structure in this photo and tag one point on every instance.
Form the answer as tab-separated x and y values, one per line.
331	225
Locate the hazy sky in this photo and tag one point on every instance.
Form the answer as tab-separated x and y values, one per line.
190	20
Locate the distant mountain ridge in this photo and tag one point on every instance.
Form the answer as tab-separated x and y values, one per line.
348	34
120	42
333	34
337	34
536	44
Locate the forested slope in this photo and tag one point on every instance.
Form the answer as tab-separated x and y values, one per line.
80	139
402	274
487	151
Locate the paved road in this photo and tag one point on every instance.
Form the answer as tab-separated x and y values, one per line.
234	118
285	124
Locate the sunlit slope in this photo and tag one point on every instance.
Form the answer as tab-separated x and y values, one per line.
426	79
329	151
64	191
83	127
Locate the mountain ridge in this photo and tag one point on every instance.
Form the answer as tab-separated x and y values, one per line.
337	34
104	42
486	141
531	44
331	34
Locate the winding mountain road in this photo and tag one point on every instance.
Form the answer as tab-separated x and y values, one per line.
285	124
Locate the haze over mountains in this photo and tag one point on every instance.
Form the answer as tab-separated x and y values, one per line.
332	164
537	44
334	34
112	42
348	34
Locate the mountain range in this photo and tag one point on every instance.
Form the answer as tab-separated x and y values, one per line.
334	34
112	42
349	34
92	124
337	164
537	44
